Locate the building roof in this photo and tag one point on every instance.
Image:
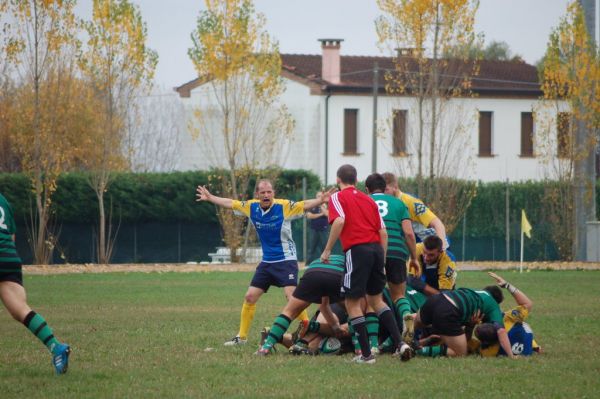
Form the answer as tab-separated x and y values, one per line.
494	78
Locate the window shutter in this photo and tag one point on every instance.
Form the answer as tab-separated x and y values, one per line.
350	131
399	132
526	134
485	133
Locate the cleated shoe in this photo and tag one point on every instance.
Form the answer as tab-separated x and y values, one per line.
299	348
264	333
408	328
360	359
264	351
235	341
60	360
404	352
300	330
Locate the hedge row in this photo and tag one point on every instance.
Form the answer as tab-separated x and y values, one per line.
138	197
170	197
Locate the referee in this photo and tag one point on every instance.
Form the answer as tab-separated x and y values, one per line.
355	220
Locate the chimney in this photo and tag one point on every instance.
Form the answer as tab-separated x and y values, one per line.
330	60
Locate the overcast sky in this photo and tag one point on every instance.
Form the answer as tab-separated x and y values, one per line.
297	24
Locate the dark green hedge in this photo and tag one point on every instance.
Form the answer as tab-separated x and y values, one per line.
138	197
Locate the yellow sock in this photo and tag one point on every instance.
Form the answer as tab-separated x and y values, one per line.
248	310
302	316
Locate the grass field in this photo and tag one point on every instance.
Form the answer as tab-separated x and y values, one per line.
146	334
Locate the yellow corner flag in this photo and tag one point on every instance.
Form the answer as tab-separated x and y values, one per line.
525	226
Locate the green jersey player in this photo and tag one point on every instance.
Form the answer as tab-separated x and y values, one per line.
13	294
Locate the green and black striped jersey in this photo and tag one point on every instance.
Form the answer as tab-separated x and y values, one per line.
470	302
393	211
8	250
336	264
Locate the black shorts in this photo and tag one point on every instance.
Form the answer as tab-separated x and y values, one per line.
315	284
395	270
338	309
442	315
11	271
279	274
364	271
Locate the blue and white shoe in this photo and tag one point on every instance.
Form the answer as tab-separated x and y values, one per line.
60	359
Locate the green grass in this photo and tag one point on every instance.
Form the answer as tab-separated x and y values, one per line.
145	335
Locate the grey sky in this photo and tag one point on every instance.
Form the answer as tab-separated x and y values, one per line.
297	24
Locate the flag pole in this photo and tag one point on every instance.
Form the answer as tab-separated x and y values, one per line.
521	266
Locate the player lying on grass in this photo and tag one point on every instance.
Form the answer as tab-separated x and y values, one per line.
271	218
450	312
13	293
320	284
519	332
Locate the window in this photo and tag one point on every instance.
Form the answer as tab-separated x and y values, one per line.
351	131
563	135
526	134
399	132
485	134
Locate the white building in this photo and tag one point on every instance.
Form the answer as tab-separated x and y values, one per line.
331	98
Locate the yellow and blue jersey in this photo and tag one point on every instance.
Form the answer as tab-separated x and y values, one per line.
273	226
420	215
440	275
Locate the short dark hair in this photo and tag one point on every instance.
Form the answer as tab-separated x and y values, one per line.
433	242
487	333
375	183
347	174
495	292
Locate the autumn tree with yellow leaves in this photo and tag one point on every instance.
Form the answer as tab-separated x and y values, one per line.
46	113
119	66
567	125
240	127
420	33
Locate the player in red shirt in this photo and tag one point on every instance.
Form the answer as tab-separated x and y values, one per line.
355	220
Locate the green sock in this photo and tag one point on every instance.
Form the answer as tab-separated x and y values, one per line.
373	329
38	326
433	351
355	342
279	327
402	307
314	326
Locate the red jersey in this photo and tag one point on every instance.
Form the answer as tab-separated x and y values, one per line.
362	220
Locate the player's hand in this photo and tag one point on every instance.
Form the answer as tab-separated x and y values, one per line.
337	331
499	280
325	255
202	194
476	318
414	268
327	194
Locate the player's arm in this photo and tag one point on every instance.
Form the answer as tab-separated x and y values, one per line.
411	243
505	342
383	236
519	296
329	316
440	230
315	202
202	194
310	215
421	286
334	234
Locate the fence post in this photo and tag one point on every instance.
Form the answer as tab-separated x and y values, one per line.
179	241
135	257
507	213
304	222
464	234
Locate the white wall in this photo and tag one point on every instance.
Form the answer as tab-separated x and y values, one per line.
307	150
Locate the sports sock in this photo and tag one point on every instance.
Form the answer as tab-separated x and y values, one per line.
402	307
355	342
246	318
372	329
302	316
433	351
279	327
314	326
387	320
360	331
38	326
